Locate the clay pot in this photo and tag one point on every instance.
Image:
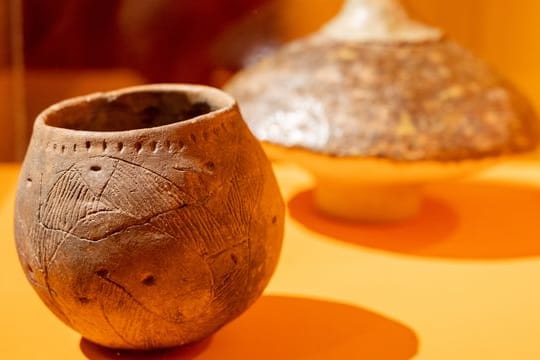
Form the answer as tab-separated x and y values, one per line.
376	105
147	217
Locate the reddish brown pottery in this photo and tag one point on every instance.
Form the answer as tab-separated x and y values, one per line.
147	217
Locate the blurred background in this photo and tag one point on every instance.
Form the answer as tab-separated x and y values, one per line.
55	49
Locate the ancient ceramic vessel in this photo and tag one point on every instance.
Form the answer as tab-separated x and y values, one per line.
147	217
376	104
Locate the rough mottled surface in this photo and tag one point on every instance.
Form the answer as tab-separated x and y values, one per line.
399	101
148	238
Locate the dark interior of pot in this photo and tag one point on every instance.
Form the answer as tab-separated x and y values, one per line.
130	111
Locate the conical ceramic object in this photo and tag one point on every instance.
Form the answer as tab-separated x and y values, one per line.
147	217
376	105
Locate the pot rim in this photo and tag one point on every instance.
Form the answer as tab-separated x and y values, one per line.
224	103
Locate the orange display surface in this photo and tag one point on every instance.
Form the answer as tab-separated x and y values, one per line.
456	282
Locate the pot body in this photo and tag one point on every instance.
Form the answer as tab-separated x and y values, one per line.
153	237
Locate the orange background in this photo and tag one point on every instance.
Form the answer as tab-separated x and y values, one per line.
457	282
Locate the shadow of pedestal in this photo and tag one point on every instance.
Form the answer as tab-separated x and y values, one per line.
475	221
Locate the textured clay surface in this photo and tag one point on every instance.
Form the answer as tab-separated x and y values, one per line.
399	101
153	237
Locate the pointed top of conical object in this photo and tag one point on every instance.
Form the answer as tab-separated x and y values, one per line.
377	20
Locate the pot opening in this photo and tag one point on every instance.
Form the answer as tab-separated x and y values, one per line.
130	111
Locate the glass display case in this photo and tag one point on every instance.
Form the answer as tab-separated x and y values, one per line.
13	126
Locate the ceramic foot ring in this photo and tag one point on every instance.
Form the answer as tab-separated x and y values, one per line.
371	203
